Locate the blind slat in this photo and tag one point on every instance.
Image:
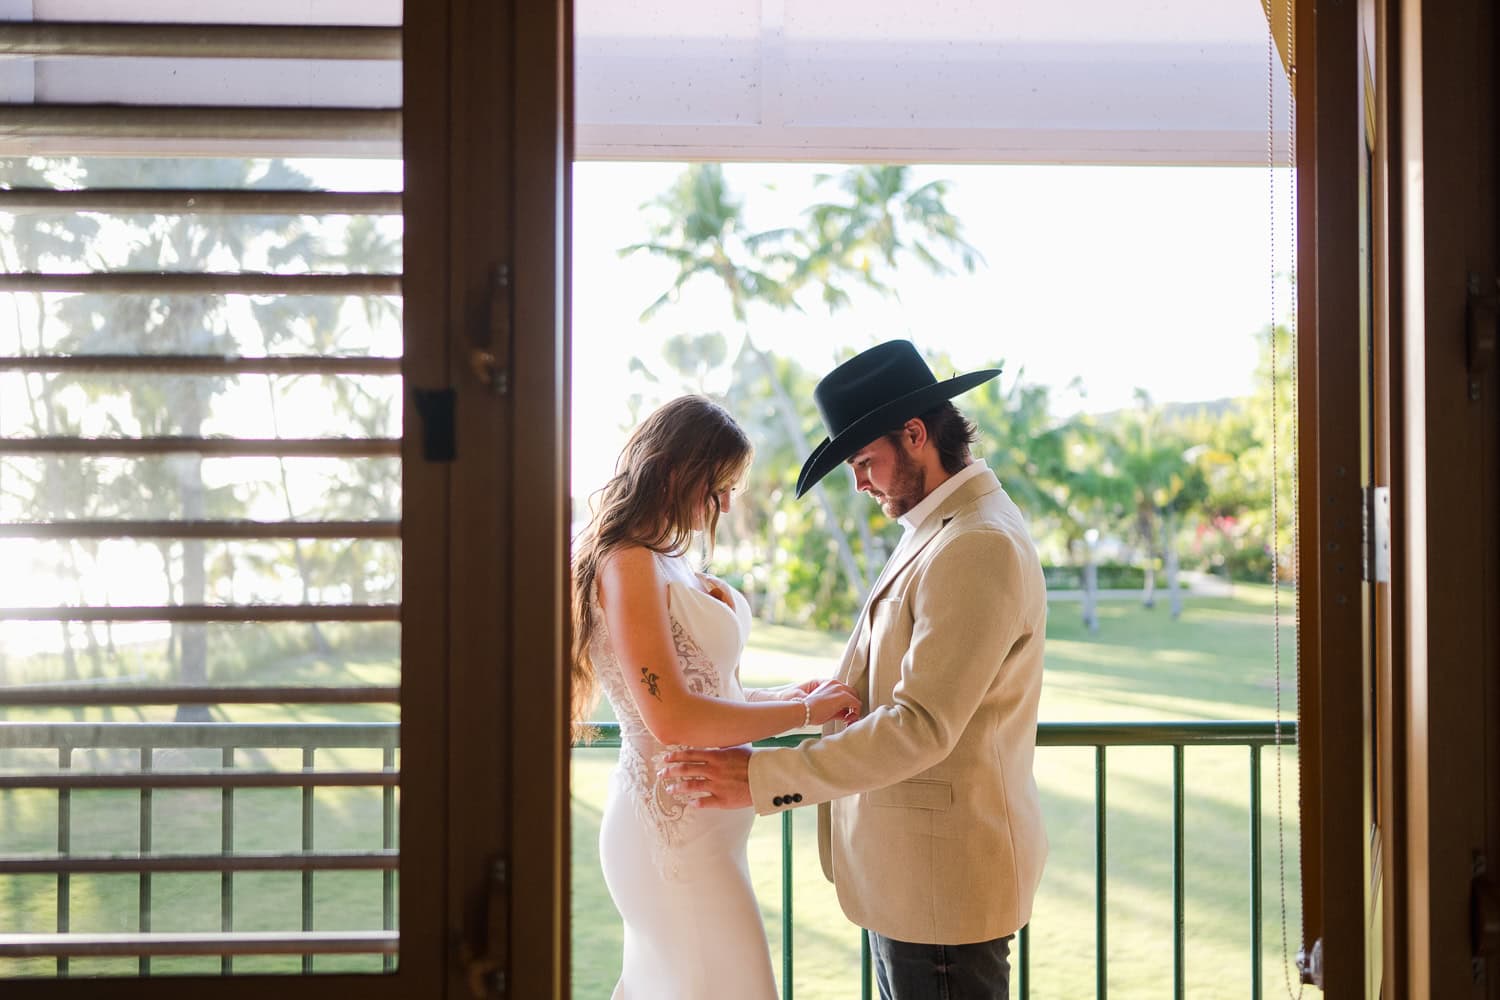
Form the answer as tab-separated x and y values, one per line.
201	201
178	122
199	41
201	283
206	613
202	529
204	364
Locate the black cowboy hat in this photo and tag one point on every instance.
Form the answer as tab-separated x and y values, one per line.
873	393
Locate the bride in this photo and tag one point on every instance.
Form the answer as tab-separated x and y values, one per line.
664	643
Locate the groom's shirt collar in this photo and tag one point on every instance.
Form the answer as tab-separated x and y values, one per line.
912	519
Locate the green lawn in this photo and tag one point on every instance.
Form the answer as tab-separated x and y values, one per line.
1215	663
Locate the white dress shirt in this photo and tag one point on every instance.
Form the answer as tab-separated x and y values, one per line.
913	518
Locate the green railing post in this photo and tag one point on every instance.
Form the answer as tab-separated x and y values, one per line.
143	881
1179	887
866	972
786	905
308	759
1255	914
226	847
64	847
388	842
1101	893
1025	962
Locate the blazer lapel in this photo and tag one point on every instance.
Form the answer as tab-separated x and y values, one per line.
855	661
909	549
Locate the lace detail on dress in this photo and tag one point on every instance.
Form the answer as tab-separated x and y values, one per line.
641	755
698	670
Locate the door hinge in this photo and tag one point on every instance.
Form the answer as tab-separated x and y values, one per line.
439	439
1483	327
1375	533
485	952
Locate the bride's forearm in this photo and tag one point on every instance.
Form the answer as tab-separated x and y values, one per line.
706	721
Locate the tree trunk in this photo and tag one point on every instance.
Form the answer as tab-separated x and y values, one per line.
70	660
787	410
1090	590
193	666
876	554
95	651
320	642
1169	543
771	601
1147	532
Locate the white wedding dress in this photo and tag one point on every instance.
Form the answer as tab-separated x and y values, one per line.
677	874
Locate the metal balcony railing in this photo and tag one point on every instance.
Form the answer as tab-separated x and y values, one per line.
67	738
1099	736
143	741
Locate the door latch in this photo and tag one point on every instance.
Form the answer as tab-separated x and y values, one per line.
439	438
1483	329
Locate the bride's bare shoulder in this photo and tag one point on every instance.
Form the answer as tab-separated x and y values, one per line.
629	568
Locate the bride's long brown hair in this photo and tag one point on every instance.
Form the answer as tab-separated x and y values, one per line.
665	488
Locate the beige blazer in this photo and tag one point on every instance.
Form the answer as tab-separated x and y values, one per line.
930	826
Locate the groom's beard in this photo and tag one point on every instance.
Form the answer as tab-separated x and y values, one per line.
908	486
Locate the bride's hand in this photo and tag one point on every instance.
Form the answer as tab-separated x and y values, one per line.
830	700
795	692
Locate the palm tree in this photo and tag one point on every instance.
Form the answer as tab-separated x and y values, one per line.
879	220
55	486
178	324
1168	479
313	324
705	235
875	222
1148	461
1090	492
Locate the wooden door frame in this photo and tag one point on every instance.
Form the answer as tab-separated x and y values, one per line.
1436	706
508	145
1447	99
541	518
1389	688
1329	584
426	491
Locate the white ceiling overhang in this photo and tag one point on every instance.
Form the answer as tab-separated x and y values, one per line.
1003	81
1008	81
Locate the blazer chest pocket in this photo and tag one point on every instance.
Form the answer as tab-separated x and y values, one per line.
914	793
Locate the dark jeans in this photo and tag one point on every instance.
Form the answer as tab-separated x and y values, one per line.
906	971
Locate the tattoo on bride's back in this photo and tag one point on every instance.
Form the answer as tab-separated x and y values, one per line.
649	679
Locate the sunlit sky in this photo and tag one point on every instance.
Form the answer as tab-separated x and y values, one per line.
1155	278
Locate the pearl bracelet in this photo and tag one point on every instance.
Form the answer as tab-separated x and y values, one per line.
806	713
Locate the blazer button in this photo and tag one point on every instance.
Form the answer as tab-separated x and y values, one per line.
776	801
797	797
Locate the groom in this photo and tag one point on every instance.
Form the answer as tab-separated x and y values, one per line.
929	824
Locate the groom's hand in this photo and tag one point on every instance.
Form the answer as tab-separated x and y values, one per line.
710	779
